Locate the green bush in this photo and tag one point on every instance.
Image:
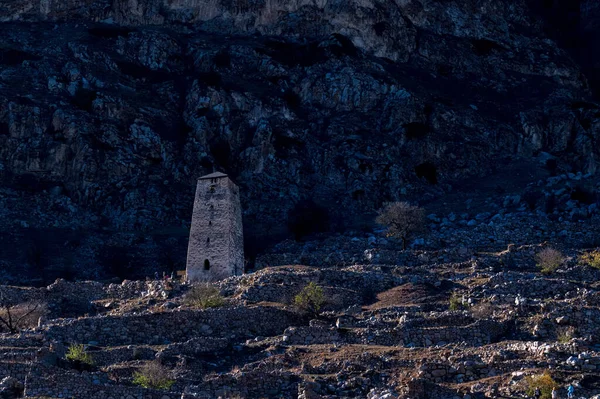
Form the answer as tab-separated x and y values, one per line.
549	259
564	335
77	353
311	299
542	381
591	259
203	296
153	375
456	302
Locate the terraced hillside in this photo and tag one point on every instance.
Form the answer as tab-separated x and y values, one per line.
444	324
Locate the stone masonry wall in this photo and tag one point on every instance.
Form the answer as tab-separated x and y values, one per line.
161	328
252	384
49	383
479	333
282	285
42	382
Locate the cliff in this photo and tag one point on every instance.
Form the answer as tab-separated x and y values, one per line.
320	111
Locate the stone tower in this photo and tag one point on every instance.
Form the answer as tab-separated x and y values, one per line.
216	246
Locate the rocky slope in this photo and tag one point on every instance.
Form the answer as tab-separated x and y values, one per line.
319	110
441	324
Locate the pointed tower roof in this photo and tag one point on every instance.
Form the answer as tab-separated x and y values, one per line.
215	175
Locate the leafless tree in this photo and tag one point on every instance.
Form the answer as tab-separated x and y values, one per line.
401	219
16	315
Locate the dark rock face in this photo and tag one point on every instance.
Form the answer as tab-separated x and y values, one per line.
109	111
575	26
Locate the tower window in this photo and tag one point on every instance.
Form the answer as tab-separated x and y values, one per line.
206	264
210	222
207	240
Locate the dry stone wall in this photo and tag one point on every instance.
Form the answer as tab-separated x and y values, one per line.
479	333
249	384
342	287
162	328
14	369
50	383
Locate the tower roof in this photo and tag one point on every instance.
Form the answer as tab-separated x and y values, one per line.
215	175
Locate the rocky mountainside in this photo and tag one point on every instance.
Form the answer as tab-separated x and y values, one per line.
448	324
320	110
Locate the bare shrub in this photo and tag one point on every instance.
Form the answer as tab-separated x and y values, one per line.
482	310
17	315
401	219
564	335
549	259
203	296
153	375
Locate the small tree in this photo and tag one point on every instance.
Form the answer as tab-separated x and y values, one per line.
153	375
401	219
16	315
544	382
311	298
549	259
203	296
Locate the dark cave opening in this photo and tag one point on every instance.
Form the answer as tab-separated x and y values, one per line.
428	171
